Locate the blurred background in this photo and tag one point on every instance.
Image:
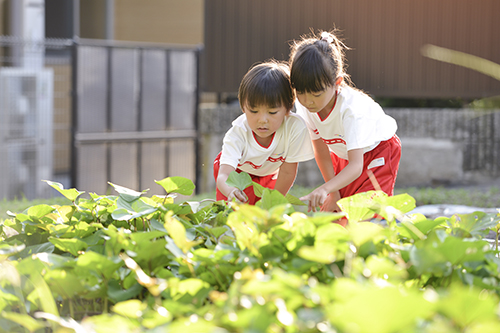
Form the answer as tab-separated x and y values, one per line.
134	91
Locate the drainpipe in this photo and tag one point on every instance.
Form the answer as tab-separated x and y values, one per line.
110	20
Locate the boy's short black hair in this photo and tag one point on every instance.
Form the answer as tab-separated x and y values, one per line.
267	84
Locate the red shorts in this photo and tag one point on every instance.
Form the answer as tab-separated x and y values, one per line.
266	181
383	162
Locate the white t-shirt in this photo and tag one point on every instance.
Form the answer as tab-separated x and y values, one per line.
356	121
291	143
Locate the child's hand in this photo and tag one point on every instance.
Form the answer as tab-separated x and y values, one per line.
316	199
239	195
330	204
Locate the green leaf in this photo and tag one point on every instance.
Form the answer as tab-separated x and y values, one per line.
24	320
294	200
64	283
71	245
271	198
378	310
39	211
365	231
240	180
468	305
7	250
178	233
179	185
117	294
359	207
130	309
71	194
474	223
42	295
126	193
258	189
100	264
110	323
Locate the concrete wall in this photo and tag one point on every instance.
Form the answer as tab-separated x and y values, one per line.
434	147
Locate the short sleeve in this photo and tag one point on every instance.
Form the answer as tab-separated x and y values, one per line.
233	145
300	147
305	115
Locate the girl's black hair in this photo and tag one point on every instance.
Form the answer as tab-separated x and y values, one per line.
267	84
316	62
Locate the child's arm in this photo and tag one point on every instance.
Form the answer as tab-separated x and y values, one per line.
286	177
229	191
324	161
343	178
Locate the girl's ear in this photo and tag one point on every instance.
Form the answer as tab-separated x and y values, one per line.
339	81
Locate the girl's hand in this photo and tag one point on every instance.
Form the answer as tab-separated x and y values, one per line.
316	199
239	195
330	204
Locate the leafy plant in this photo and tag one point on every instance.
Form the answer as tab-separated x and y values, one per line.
132	262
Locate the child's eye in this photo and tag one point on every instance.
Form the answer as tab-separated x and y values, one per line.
317	94
273	112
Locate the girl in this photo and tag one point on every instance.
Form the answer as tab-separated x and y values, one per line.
266	141
352	137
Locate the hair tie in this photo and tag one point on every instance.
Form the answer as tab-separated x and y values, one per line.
326	36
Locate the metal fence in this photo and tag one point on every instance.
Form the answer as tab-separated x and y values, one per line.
88	112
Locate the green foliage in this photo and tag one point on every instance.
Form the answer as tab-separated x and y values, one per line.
132	263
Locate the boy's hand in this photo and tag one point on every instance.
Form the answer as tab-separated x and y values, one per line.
239	195
316	199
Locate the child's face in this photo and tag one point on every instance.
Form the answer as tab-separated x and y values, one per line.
264	121
318	101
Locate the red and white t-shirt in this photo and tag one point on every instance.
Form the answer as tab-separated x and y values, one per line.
356	121
291	143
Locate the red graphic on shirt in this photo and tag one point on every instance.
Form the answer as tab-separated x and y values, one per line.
275	160
333	141
270	159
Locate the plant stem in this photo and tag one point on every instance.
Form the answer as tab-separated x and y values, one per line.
71	309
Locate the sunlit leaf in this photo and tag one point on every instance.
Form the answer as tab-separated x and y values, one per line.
39	211
131	309
361	206
240	180
364	232
64	283
71	194
110	323
126	193
179	185
71	245
178	233
379	310
294	200
465	305
42	294
98	263
271	198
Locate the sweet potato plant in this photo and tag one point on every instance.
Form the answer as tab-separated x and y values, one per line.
135	263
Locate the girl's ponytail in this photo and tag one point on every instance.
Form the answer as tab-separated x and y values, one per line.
317	61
